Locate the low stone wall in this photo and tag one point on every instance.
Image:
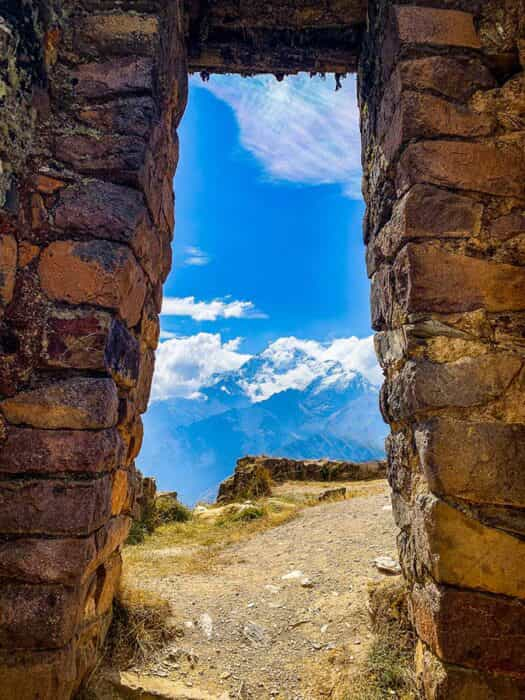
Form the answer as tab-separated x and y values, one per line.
282	469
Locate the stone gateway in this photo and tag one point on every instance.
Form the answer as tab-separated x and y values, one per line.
91	93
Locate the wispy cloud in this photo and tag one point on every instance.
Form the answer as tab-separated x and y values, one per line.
209	310
184	365
195	256
301	130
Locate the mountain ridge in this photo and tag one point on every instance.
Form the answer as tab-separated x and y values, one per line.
327	411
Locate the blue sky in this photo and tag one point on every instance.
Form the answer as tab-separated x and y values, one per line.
268	241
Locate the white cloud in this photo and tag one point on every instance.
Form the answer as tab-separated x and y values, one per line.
291	363
195	256
209	310
184	365
300	129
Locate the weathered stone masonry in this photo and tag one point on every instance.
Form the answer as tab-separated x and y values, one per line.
91	92
442	94
92	97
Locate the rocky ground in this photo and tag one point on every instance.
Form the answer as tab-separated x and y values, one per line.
280	613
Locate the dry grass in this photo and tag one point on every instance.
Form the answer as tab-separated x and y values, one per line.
388	669
193	546
141	626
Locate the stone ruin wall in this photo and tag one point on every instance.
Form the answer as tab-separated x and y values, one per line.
442	98
91	101
280	469
91	93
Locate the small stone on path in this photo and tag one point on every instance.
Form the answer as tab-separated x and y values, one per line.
295	574
387	565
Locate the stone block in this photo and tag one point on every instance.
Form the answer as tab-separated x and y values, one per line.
122	493
103	587
8	257
150	325
118	34
508	226
121	76
456	165
132	432
468	382
94	272
418	115
78	403
147	366
27	252
383	298
35	451
402	466
428	278
471	629
434	27
454	77
505	104
447	682
425	212
37	616
157	178
110	538
132	116
42	560
47	185
39	214
76	338
460	551
42	675
122	355
476	462
61	560
116	157
104	210
54	507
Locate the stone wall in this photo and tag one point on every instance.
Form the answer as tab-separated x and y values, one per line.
91	93
443	121
91	97
281	469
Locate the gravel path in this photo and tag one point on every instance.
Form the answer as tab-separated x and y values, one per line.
284	609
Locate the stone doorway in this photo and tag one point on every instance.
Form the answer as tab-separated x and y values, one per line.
92	94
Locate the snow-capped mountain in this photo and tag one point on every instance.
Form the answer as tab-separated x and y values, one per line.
290	400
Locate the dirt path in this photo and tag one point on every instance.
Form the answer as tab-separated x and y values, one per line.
282	609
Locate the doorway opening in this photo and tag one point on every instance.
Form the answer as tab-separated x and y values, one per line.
266	345
266	359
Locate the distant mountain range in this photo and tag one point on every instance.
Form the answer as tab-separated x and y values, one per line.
192	444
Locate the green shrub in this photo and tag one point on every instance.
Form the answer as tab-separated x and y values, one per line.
170	510
137	533
247	514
